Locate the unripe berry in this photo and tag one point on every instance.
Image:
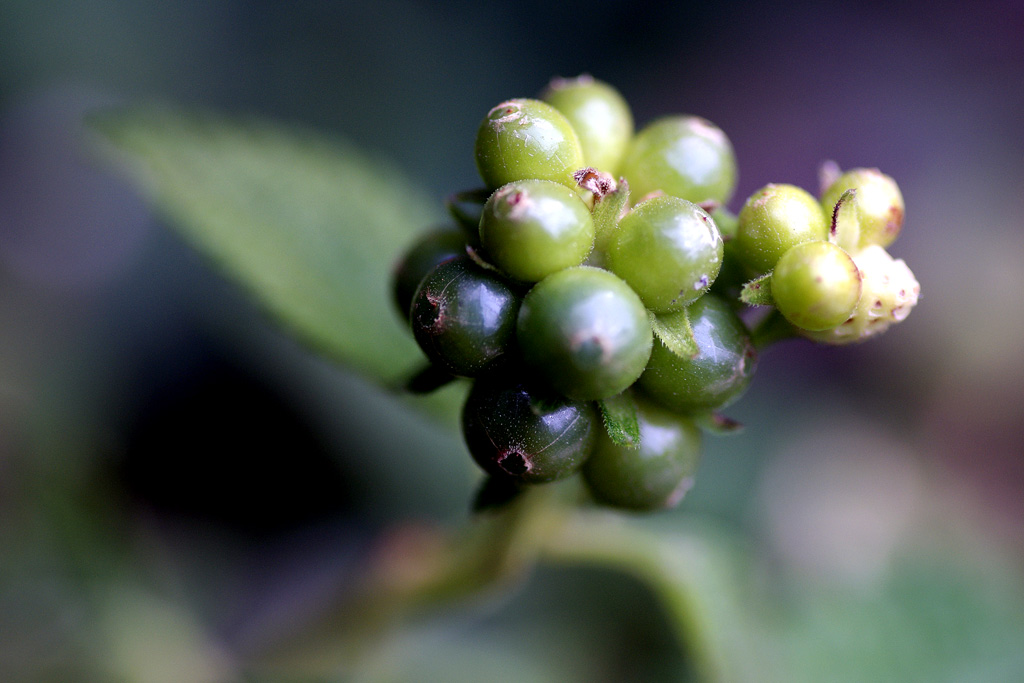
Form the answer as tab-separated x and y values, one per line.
524	138
599	115
655	475
532	228
586	332
816	285
668	250
773	220
889	292
717	375
682	156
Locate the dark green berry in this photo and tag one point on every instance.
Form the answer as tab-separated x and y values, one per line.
429	250
682	156
599	115
517	430
532	228
816	285
524	138
717	375
658	473
880	205
668	250
586	332
464	317
773	220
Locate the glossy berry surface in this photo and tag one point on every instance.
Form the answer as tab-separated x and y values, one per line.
889	292
775	219
668	250
657	474
516	430
880	205
429	250
464	317
717	375
816	285
599	115
532	228
524	138
683	156
586	332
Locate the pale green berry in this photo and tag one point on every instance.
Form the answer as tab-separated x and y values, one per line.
682	156
816	285
669	251
532	228
599	115
889	292
773	220
524	138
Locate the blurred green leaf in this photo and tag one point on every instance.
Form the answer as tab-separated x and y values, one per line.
305	222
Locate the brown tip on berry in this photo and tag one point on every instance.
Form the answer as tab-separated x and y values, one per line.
514	463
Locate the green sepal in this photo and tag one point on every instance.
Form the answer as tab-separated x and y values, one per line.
607	212
758	292
845	230
620	419
675	332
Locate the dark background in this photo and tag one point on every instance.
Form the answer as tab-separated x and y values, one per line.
144	398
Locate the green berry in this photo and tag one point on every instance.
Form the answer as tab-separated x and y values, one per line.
524	138
889	292
717	375
532	228
599	115
775	219
586	332
879	204
816	285
464	317
657	474
429	250
519	431
682	156
668	250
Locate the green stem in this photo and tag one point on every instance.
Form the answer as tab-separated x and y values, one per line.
772	329
420	574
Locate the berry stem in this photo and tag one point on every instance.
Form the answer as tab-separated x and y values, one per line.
771	329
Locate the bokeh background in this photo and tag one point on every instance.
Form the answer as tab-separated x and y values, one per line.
180	482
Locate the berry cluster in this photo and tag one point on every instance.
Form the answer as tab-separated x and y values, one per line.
602	333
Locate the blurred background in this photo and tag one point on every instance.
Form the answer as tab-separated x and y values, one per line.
180	482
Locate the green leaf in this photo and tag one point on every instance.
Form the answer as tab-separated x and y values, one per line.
758	292
620	420
306	223
674	331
